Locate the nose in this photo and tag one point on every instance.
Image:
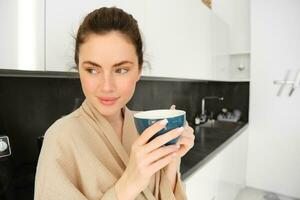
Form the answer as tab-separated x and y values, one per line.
108	83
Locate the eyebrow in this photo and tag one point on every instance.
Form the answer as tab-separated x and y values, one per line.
115	65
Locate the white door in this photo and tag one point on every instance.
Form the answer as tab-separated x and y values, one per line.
274	141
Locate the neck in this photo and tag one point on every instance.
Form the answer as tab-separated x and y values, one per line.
115	119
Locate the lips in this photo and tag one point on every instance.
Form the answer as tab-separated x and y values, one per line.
108	100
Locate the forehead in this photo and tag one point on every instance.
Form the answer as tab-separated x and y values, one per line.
109	47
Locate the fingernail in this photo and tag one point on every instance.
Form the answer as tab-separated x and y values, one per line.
164	122
180	129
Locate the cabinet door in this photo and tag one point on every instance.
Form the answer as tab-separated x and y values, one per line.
63	19
233	160
22	35
222	177
177	39
203	183
220	48
236	13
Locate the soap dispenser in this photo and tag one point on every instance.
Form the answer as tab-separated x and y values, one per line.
197	119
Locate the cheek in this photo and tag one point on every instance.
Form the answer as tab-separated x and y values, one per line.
127	87
88	84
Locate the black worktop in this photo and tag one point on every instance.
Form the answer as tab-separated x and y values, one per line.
208	142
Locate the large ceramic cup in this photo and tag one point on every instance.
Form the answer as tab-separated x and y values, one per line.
176	118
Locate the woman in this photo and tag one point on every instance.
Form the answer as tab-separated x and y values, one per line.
95	152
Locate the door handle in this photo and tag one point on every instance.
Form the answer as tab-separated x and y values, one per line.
296	83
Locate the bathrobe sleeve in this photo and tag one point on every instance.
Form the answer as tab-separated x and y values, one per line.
166	191
180	190
57	175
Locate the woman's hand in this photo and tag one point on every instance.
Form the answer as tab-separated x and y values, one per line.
186	139
146	159
186	142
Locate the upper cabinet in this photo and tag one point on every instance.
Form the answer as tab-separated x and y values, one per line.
182	40
231	40
236	13
62	21
178	39
176	36
22	35
220	48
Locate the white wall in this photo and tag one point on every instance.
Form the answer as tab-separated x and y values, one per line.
274	142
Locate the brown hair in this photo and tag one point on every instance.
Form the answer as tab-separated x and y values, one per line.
104	20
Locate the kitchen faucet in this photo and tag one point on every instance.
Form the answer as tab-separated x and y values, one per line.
203	116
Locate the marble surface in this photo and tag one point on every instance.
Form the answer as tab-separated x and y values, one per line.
209	140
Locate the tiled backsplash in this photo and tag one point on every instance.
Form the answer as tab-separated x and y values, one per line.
29	105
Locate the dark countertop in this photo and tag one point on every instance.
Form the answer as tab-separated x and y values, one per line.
208	142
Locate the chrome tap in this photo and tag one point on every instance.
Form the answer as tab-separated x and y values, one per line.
203	116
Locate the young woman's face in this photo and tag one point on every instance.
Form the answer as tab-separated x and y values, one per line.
108	69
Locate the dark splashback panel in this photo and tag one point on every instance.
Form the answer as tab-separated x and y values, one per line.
29	105
187	96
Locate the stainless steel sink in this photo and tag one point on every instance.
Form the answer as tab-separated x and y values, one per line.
214	131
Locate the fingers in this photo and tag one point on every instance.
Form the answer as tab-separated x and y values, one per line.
186	124
185	145
150	131
163	139
154	167
187	142
160	153
188	132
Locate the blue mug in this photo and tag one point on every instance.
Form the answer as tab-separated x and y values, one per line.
144	119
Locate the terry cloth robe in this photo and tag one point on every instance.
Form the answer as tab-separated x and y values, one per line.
82	158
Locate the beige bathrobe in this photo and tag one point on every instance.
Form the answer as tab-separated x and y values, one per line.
82	158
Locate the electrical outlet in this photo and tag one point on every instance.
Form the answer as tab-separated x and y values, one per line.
4	147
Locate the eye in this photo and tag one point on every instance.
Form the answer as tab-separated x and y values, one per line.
92	70
122	70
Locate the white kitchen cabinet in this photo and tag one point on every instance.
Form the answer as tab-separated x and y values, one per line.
63	19
236	13
176	36
224	175
178	39
22	35
203	183
232	163
220	48
231	40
